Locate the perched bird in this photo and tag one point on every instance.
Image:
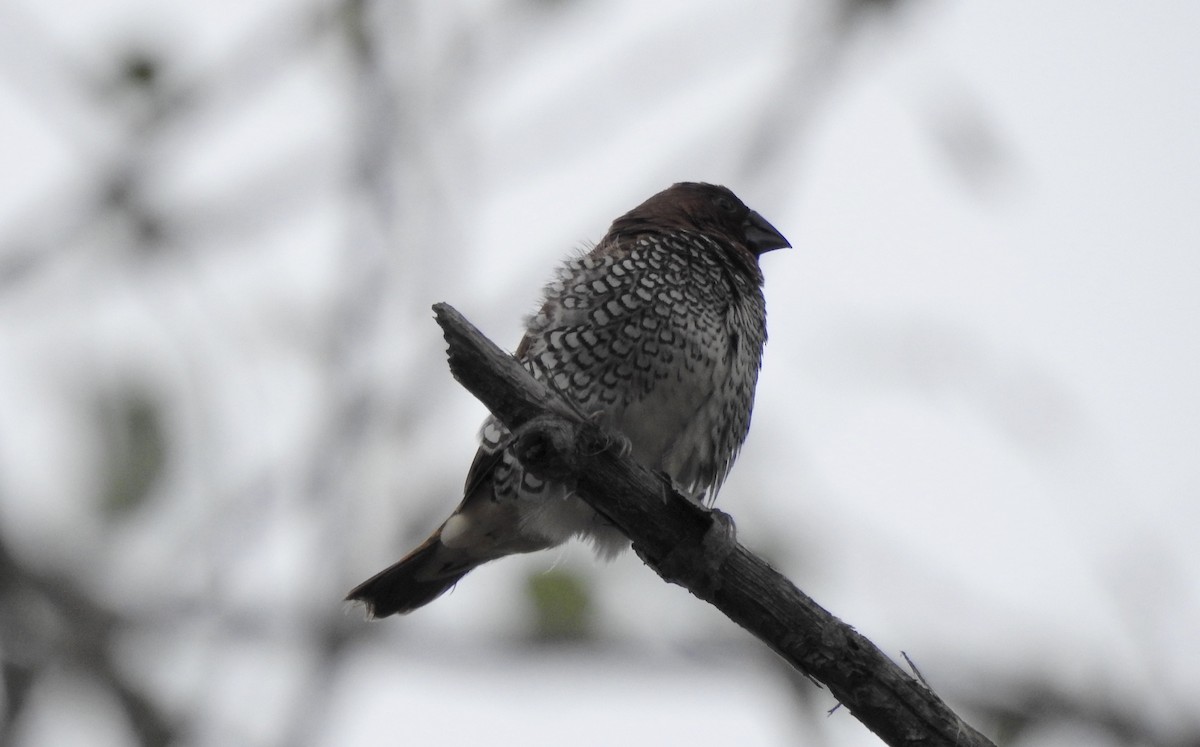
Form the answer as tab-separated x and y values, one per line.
657	333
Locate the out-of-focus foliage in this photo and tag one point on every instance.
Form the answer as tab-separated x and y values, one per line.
134	449
235	405
561	607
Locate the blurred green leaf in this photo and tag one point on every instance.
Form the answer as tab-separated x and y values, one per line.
140	68
135	450
562	606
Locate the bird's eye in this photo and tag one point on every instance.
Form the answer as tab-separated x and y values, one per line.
726	204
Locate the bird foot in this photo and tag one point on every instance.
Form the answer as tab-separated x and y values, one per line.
697	565
721	536
546	445
620	443
611	439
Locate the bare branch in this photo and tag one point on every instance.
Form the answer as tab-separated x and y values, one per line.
691	546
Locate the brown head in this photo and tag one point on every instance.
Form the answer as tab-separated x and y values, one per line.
704	208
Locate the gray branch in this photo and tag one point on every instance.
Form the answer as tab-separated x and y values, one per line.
694	547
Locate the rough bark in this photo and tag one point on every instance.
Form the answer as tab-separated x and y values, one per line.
694	547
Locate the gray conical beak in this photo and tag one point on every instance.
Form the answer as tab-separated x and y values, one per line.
761	236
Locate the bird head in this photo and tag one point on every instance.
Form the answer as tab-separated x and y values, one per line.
706	208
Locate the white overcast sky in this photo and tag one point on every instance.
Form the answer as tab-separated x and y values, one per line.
978	421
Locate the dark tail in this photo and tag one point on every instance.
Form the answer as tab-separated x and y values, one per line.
420	577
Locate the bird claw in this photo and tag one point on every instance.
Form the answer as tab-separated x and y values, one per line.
612	438
621	442
547	444
697	566
721	535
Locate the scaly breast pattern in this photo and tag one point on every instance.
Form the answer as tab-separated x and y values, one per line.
661	339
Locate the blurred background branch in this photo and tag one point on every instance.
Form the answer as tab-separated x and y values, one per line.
220	233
